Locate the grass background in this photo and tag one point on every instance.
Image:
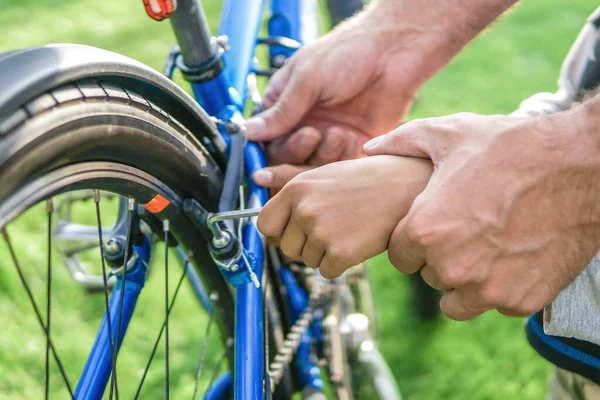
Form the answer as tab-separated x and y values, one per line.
487	358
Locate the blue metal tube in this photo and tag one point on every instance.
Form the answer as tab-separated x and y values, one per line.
221	388
284	21
249	355
254	159
240	21
249	359
98	366
216	95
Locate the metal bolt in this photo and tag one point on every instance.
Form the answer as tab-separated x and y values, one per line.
278	61
221	239
223	41
112	246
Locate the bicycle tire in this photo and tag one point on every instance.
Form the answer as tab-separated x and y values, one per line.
89	126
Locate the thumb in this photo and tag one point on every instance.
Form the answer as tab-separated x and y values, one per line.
296	98
276	177
409	140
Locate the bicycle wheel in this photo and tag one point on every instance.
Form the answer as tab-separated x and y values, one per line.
78	146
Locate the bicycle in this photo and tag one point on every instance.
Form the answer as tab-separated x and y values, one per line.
92	135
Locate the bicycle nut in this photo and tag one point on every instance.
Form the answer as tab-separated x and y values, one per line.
112	246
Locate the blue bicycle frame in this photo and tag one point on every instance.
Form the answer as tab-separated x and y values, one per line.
241	22
224	97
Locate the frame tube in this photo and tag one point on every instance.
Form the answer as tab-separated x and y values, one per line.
191	30
241	22
249	325
221	388
96	373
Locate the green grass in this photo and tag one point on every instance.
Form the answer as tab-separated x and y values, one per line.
487	358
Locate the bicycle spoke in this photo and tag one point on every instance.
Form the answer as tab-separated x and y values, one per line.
130	208
203	353
166	233
217	368
106	295
36	309
162	329
49	210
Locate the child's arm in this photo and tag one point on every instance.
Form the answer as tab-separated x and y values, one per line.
341	214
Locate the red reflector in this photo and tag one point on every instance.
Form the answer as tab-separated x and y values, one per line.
159	9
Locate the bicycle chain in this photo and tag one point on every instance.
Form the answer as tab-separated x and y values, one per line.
285	355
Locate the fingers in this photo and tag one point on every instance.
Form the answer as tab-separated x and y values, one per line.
403	251
332	147
277	177
308	145
330	268
353	147
413	139
274	217
292	241
312	254
456	304
277	84
296	148
431	277
297	96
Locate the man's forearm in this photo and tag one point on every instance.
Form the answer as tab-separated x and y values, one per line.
458	17
444	26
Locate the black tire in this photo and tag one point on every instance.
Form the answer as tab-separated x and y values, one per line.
90	133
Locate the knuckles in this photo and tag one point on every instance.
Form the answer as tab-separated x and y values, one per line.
321	236
297	187
290	251
492	296
420	232
453	276
524	305
340	255
264	225
307	213
524	309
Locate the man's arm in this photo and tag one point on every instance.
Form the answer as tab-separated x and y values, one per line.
447	25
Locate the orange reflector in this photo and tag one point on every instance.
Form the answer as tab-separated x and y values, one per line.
157	204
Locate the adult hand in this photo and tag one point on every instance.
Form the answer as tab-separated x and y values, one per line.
510	216
303	150
355	83
359	81
339	215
